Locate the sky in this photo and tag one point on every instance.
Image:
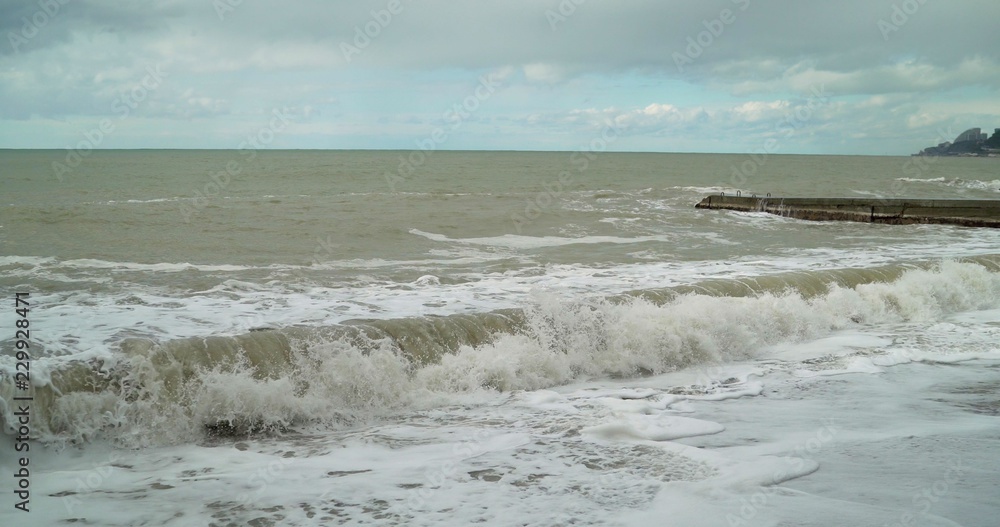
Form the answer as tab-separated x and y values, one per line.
870	77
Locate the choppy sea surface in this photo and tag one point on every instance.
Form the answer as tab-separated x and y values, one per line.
386	338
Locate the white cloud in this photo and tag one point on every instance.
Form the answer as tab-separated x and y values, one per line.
607	60
545	73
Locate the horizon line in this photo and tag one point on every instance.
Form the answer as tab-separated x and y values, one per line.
449	151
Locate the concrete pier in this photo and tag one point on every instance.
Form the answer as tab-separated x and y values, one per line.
970	213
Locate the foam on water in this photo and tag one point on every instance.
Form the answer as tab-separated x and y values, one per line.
608	452
515	241
960	183
170	392
104	309
625	360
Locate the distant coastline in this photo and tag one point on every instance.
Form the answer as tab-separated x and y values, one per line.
970	143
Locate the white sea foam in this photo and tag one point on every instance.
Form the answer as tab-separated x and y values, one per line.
849	407
515	241
922	180
157	267
99	319
706	190
565	341
563	457
959	183
138	201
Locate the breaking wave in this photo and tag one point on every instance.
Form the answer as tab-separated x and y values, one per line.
174	391
970	184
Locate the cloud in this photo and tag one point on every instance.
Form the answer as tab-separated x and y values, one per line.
417	58
904	77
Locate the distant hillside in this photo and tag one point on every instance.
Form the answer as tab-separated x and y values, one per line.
993	142
972	142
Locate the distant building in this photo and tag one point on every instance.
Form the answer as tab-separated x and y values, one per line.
970	143
972	134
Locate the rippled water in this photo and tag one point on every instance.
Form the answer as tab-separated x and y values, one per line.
563	329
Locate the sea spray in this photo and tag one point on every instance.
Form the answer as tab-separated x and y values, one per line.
156	393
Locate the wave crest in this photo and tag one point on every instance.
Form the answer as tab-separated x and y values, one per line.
169	392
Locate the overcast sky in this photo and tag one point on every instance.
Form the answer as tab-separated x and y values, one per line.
824	76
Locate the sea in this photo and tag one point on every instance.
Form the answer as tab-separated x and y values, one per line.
299	338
